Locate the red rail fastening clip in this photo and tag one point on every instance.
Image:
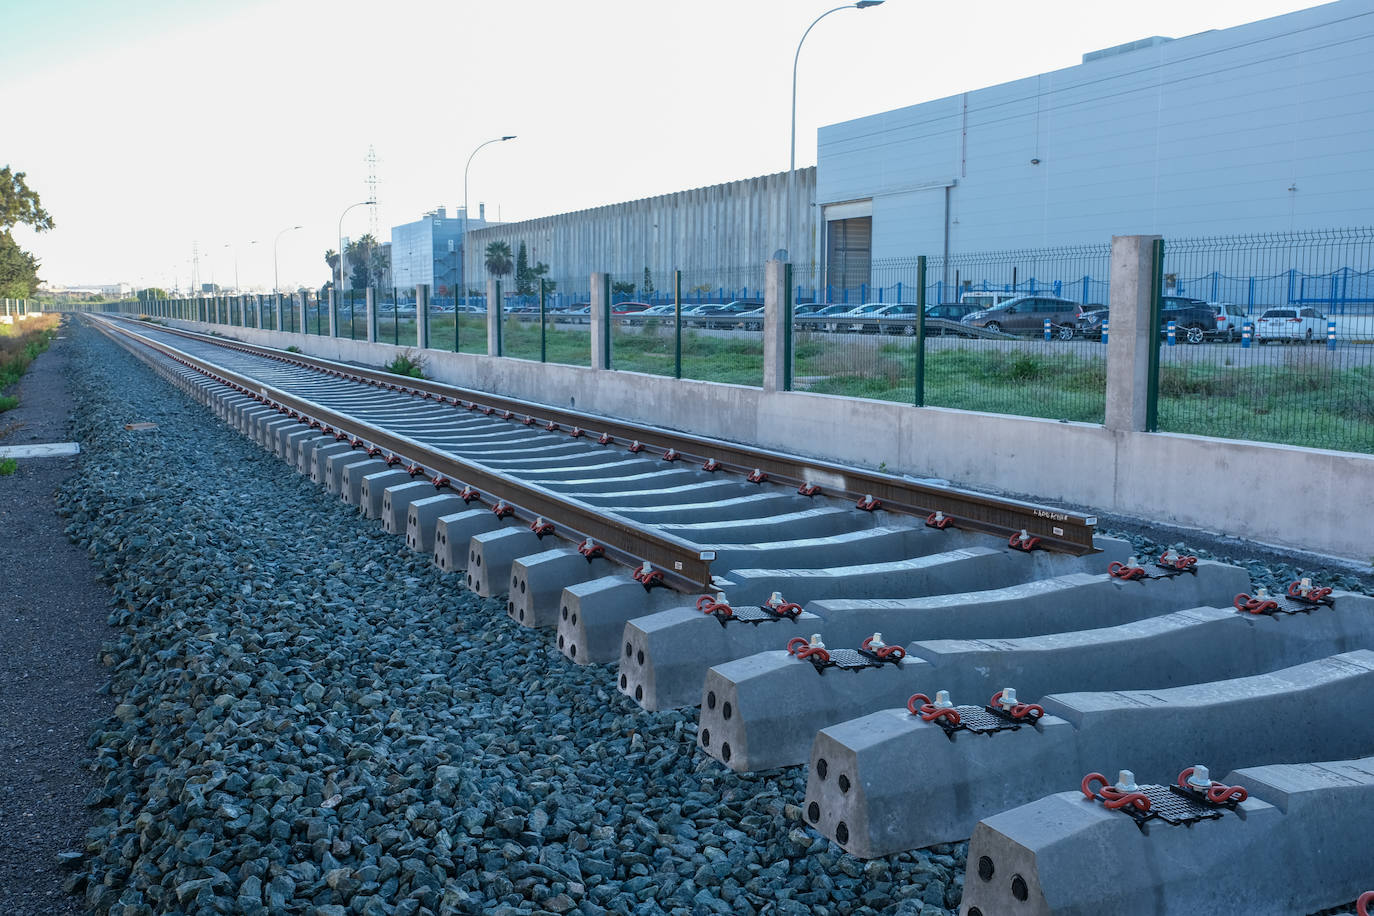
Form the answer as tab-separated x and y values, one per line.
868	503
440	481
757	476
468	494
782	607
425	395
717	605
576	432
1304	590
590	549
672	454
488	411
1362	905
636	447
392	459
507	415
1116	796
415	470
1023	540
1176	560
932	711
551	426
647	576
801	647
710	465
340	435
881	649
809	489
502	509
1197	779
541	526
1005	700
373	451
528	421
605	439
938	519
1259	604
356	443
1128	571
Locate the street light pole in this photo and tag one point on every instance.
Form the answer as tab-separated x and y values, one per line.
464	255
792	158
276	279
338	286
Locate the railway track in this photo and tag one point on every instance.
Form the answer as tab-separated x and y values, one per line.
852	620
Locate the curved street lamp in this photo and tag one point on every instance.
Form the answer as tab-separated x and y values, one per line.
338	287
465	207
276	280
792	158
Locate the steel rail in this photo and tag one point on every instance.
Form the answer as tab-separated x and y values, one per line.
1057	529
685	566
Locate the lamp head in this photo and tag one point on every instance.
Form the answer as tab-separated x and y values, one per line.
865	4
512	136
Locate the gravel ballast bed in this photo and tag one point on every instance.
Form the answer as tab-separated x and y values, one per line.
314	720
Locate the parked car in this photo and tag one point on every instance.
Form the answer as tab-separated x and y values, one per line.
1027	314
1290	323
984	299
1194	320
721	316
1231	320
1090	321
812	321
951	311
752	320
859	311
629	308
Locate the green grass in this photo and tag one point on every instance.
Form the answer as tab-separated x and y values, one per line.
8	466
407	364
8	403
20	345
1315	404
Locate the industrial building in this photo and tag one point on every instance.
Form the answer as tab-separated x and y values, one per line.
1260	128
429	250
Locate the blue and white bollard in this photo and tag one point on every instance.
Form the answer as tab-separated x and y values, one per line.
1245	331
1331	334
1173	334
1047	329
1104	330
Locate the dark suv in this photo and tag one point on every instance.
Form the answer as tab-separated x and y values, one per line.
1194	320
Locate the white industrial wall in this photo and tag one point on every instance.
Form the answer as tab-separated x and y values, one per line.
1263	127
705	229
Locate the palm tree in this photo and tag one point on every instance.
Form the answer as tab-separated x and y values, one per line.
331	257
499	262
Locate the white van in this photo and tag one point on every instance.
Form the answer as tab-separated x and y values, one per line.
986	300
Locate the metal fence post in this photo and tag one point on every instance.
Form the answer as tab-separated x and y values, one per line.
422	316
677	324
918	395
494	316
1156	303
543	324
788	310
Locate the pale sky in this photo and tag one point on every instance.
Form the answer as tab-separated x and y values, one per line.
148	125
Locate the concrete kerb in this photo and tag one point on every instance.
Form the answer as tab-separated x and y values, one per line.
864	791
1293	833
1175	649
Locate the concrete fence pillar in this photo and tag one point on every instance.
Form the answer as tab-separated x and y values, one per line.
277	311
494	316
371	310
303	311
1129	345
333	313
422	316
601	331
775	325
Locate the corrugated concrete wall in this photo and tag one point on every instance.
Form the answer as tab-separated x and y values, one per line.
740	223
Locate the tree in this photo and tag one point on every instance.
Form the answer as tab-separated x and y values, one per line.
359	255
19	204
524	279
151	293
646	289
331	257
498	259
623	288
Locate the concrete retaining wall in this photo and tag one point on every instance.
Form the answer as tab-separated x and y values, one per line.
1308	499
